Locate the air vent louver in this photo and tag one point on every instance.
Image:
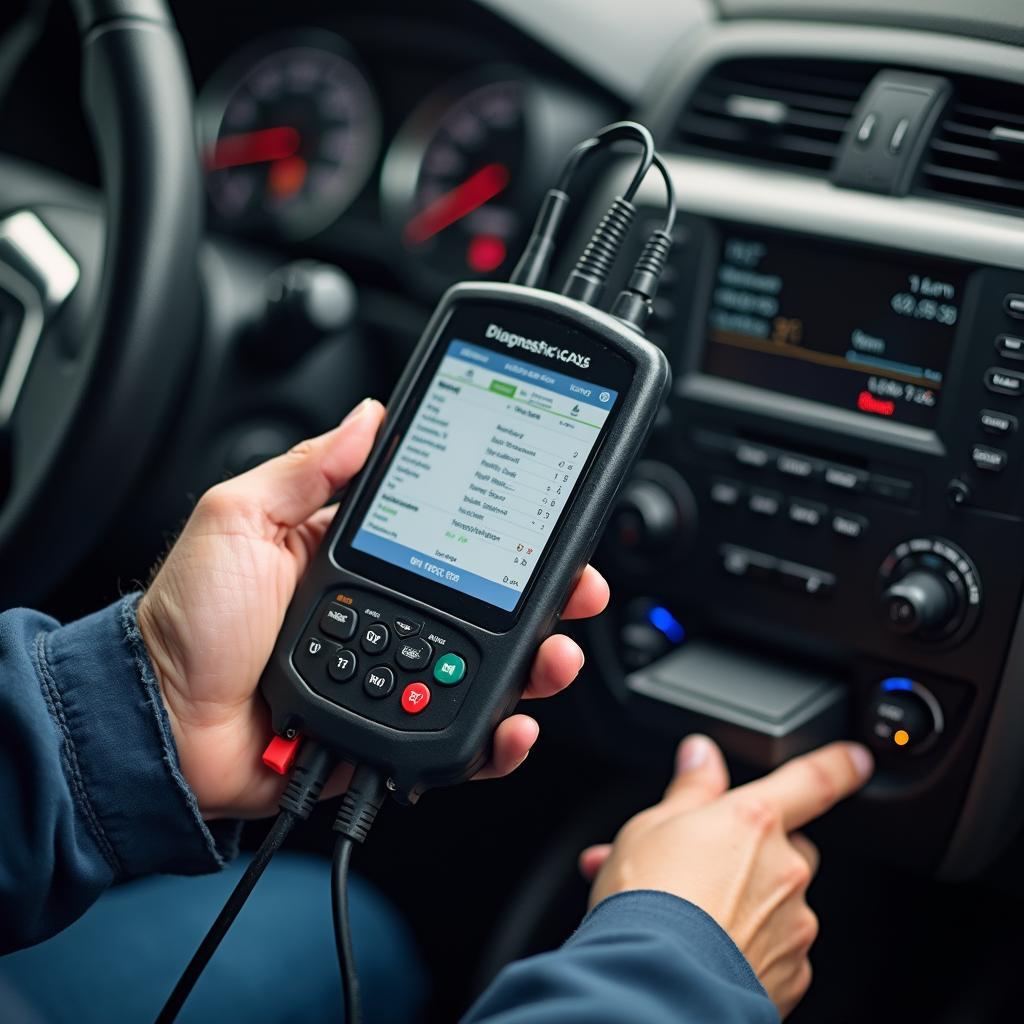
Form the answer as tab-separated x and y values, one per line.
788	112
977	152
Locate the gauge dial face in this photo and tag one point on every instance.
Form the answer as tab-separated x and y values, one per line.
464	161
291	133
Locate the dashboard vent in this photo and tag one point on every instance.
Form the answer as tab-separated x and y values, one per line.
785	112
977	152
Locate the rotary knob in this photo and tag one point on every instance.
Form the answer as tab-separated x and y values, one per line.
653	518
921	601
929	589
646	517
904	715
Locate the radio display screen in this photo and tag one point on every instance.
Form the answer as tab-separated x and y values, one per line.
857	329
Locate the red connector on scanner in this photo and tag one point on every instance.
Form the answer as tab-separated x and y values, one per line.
280	753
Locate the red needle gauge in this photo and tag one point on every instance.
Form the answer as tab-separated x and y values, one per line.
477	189
264	146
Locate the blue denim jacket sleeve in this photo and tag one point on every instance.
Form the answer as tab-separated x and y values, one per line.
643	957
90	788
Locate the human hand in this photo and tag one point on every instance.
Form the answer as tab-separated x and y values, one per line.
736	854
213	612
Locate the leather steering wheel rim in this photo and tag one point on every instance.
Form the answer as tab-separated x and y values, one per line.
91	411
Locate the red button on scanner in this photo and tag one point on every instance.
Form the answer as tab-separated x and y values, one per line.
280	753
415	698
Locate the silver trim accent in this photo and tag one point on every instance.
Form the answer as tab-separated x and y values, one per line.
756	108
40	274
791	202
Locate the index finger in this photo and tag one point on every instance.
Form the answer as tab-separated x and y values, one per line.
806	787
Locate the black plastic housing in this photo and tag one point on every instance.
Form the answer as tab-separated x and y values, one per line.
414	761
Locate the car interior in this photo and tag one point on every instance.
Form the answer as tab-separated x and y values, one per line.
215	242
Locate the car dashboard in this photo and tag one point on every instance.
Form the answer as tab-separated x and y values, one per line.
824	536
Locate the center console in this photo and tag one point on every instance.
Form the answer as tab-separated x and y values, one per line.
836	490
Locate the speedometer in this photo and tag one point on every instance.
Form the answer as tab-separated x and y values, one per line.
454	180
290	133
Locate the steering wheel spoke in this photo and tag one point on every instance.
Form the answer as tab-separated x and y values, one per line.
104	304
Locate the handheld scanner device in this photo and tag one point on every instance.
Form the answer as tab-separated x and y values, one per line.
507	437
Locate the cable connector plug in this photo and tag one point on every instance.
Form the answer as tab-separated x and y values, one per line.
635	302
587	280
310	773
360	804
532	268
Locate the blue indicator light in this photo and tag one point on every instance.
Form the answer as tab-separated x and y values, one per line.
662	619
896	683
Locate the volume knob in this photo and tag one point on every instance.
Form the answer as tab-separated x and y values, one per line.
653	519
928	589
921	601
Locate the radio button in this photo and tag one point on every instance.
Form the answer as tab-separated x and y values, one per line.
375	638
807	513
765	503
796	465
414	654
846	478
751	455
891	487
339	621
1010	346
813	582
726	492
1004	382
846	524
997	423
992	460
1014	305
379	682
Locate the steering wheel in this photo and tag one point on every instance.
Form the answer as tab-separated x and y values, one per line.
96	338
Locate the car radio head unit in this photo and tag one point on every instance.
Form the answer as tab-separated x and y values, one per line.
858	329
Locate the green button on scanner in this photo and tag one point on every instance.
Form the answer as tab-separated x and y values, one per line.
449	669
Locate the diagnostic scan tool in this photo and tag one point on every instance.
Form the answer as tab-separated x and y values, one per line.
507	438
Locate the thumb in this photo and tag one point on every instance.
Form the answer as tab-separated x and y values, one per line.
287	490
701	775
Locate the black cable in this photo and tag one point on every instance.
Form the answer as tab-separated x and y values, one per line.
635	302
309	774
283	824
343	929
359	806
670	195
532	268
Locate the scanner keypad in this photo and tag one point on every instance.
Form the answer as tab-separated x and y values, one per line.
368	654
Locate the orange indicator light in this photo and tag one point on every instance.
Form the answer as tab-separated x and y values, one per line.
901	737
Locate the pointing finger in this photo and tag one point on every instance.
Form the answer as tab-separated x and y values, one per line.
808	786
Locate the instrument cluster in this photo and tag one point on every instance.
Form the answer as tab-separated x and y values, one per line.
303	142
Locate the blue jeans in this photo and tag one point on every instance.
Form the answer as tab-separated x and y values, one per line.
277	965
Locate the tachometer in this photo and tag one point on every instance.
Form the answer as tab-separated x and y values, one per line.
454	180
290	131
